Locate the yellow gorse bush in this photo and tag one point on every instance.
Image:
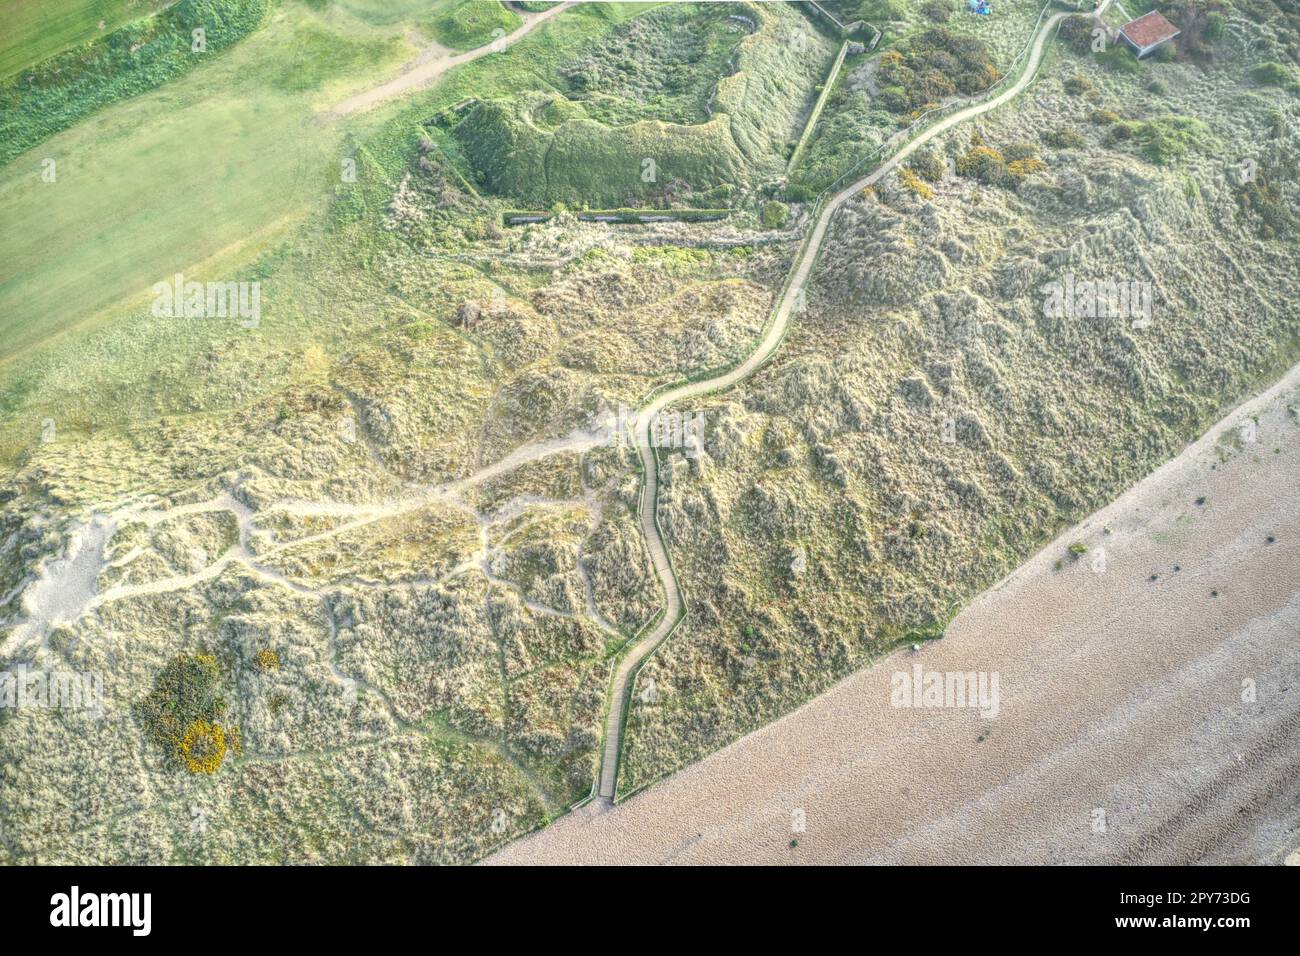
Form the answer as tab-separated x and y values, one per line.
203	747
912	181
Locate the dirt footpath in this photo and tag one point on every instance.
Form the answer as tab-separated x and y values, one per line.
437	60
1148	706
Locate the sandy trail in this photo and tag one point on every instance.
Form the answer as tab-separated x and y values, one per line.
436	61
806	259
1122	734
66	586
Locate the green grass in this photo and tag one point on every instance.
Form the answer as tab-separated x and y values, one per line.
137	57
382	13
198	176
468	24
622	124
35	30
811	125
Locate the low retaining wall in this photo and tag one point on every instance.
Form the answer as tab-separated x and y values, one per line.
624	217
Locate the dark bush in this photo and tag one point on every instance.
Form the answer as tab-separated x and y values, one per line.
937	11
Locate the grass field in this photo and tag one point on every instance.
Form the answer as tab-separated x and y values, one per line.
37	29
196	175
203	176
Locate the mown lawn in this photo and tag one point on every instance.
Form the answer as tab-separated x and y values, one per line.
195	176
37	29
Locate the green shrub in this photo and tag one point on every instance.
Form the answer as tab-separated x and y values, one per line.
1119	57
928	164
1162	140
775	214
914	183
1166	139
1000	167
932	66
1263	201
1120	132
180	714
1023	168
1065	137
1078	85
1271	74
1214	23
1076	33
985	164
1014	152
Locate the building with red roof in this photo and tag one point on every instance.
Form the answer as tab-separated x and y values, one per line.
1148	32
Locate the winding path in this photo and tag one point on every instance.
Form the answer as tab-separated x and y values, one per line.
641	648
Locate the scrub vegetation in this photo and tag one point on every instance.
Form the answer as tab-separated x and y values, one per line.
355	575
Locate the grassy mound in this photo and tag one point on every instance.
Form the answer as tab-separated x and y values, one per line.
469	24
663	65
639	117
582	161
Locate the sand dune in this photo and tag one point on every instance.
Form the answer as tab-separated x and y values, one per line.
1122	733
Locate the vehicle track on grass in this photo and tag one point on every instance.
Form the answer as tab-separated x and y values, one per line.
806	258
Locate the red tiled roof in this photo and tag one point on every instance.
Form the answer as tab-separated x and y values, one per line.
1149	29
